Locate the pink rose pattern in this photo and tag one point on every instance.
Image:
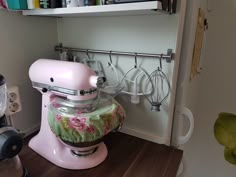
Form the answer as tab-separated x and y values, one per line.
56	105
107	128
80	123
122	113
90	129
58	118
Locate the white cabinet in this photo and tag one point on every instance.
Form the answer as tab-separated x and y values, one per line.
140	8
143	30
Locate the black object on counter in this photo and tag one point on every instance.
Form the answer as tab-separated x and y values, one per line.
3	121
10	141
2	80
11	144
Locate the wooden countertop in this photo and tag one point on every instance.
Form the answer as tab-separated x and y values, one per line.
128	156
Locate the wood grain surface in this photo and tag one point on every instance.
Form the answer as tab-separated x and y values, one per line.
128	157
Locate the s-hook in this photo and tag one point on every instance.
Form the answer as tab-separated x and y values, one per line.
135	59
87	53
109	63
160	68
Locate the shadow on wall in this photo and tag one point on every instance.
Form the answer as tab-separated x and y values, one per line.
23	40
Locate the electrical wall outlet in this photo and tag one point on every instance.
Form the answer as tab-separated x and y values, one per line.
14	102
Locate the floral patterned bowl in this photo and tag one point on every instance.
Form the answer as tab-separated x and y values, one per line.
80	129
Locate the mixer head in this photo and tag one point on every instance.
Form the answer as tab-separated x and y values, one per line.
75	81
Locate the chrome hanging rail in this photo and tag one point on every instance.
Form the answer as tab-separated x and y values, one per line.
168	56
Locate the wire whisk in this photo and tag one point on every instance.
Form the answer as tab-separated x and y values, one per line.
159	81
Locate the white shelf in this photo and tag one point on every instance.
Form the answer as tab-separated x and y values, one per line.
138	8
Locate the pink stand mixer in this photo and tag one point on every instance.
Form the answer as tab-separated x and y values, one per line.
75	117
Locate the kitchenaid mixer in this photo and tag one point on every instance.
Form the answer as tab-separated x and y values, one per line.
10	141
75	117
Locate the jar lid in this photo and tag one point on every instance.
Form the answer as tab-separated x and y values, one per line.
2	80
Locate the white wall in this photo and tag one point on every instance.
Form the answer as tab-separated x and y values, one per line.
153	33
22	41
213	91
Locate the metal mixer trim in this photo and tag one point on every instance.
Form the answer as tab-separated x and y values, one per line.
64	90
84	153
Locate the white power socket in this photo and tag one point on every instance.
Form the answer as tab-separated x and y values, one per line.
14	102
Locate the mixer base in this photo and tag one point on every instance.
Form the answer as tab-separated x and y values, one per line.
59	154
